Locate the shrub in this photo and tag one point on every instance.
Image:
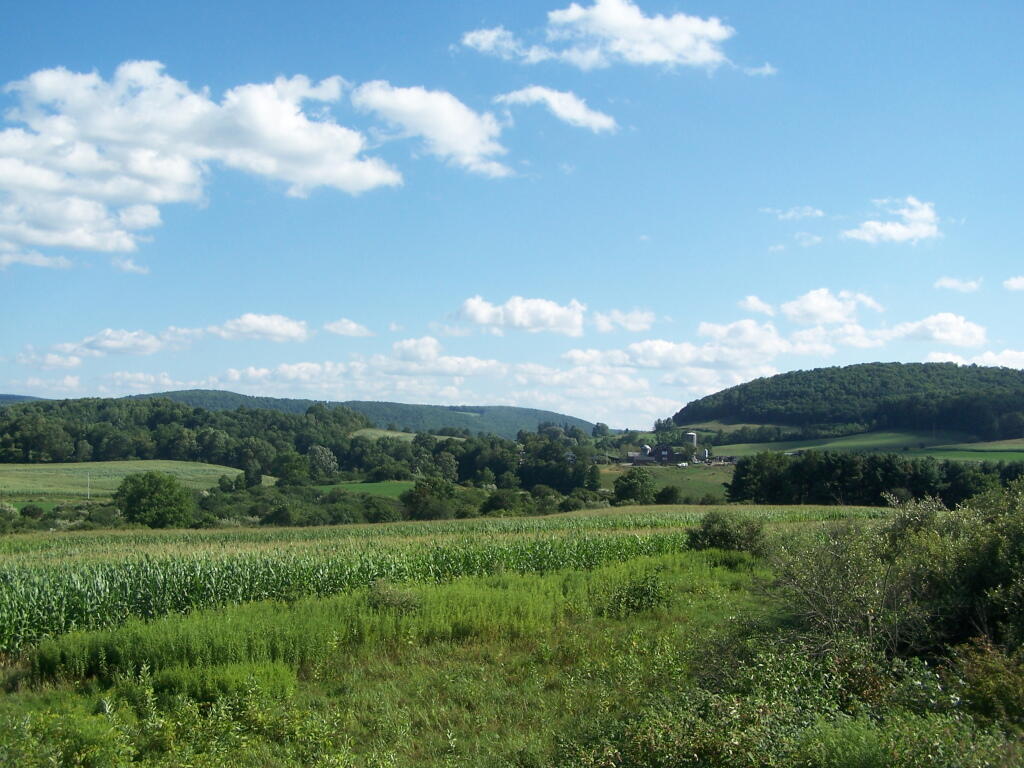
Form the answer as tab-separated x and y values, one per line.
726	530
670	494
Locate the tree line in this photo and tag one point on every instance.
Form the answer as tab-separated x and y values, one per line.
831	477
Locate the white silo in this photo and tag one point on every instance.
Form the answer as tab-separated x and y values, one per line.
693	438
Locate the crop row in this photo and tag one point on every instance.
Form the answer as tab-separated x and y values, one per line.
45	601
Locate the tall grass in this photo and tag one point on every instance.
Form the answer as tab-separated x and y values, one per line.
308	633
43	601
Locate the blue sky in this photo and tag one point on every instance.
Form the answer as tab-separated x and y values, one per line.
605	208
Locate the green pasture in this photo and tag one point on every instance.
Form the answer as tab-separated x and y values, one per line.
388	489
924	443
696	480
99	478
374	434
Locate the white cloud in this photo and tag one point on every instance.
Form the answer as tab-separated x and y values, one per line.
917	221
346	327
264	327
634	320
565	105
615	31
88	160
954	284
754	304
533	315
126	264
795	213
1014	283
943	327
62	386
450	130
1008	358
765	70
34	260
821	306
113	341
49	360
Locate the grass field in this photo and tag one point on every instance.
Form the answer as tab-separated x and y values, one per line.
389	489
923	443
98	478
695	481
596	638
373	433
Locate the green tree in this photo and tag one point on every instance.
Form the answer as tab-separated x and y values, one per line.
635	487
155	499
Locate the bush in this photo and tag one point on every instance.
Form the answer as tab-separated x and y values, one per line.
634	595
670	494
726	530
635	487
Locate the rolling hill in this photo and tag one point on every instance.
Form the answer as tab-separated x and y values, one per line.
984	403
505	421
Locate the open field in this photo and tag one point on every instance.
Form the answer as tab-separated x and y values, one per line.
373	433
389	489
695	481
528	642
99	478
924	443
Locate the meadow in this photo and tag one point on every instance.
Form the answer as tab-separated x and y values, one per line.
605	637
696	481
98	479
917	443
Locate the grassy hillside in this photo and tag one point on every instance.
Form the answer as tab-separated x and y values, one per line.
696	481
920	443
99	478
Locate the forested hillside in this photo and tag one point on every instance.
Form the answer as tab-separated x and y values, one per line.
504	421
96	429
985	402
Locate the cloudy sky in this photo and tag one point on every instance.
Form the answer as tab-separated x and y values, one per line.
605	208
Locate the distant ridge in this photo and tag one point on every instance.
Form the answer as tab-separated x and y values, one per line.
503	420
12	399
984	401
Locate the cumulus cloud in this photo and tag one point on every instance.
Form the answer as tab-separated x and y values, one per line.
1014	283
48	360
449	129
88	161
635	320
263	327
34	260
565	105
822	306
916	221
955	284
754	304
1008	358
346	327
113	341
943	327
533	315
615	31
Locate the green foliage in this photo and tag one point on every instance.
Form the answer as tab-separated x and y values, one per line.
637	593
827	477
635	487
928	579
669	494
156	499
984	401
721	529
